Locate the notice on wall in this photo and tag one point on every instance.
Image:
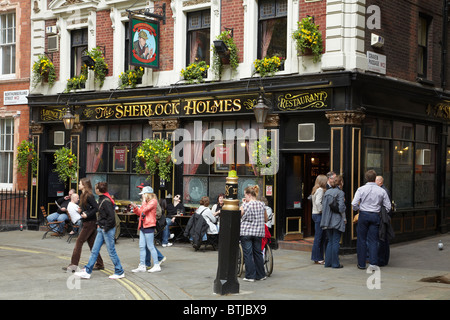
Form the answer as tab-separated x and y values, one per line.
376	62
15	97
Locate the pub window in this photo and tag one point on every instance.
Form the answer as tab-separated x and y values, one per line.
79	44
6	151
8	43
109	157
272	28
406	159
198	36
422	50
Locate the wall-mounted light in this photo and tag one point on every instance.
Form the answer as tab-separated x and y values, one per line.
68	120
261	109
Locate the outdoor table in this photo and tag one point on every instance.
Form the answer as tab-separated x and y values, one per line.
125	223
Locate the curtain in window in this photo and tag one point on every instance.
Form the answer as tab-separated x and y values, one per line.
267	28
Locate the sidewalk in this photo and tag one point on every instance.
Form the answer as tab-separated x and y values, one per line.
31	269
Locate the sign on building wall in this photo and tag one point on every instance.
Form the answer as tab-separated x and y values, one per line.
376	62
15	97
144	43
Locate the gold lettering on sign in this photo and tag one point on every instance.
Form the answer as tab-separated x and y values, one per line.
289	102
194	107
440	110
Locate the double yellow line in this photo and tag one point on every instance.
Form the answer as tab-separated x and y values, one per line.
134	289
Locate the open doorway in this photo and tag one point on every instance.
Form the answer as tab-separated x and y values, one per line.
301	172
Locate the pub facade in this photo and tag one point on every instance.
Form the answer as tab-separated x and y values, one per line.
336	114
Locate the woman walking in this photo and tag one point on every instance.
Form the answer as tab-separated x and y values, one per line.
253	219
106	231
333	222
88	210
319	237
146	227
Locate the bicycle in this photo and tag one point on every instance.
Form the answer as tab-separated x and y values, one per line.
268	260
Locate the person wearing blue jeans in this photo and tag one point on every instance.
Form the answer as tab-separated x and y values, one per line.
61	213
173	209
106	230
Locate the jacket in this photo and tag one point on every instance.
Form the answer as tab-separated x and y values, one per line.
196	229
329	219
90	208
106	214
147	214
385	232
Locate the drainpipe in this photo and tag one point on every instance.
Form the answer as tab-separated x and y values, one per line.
445	18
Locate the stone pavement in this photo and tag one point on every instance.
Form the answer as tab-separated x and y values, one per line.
31	269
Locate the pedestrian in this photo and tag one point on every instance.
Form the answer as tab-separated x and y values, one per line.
333	221
106	230
368	200
147	227
317	193
385	237
330	178
60	214
88	207
253	219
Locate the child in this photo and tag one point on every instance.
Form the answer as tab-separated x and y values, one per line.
73	210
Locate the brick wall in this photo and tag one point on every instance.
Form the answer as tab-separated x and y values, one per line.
166	44
104	36
233	17
318	10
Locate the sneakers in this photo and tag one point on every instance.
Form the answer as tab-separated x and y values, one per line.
249	280
156	268
171	236
117	276
140	268
168	244
82	274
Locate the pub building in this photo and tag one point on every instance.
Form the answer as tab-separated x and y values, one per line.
347	122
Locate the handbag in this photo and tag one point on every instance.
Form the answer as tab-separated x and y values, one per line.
334	205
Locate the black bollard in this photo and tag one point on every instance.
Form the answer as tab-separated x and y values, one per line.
230	221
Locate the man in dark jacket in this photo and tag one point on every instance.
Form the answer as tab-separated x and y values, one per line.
105	234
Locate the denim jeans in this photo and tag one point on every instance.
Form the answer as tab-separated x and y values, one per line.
253	258
367	242
146	243
108	239
319	239
166	231
332	251
57	217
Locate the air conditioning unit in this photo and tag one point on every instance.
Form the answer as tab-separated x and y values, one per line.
306	132
58	138
50	30
423	157
52	43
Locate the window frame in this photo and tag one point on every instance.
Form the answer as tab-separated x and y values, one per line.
6	44
77	50
275	15
4	136
191	30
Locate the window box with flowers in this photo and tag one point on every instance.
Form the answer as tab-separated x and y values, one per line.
154	155
26	154
66	164
195	72
43	71
309	39
77	82
131	78
231	56
267	66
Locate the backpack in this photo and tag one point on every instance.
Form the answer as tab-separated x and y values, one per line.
160	219
334	205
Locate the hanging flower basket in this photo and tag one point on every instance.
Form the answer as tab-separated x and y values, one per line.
66	164
231	57
26	154
154	156
100	67
263	157
308	38
43	71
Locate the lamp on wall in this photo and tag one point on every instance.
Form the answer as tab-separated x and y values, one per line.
261	109
68	119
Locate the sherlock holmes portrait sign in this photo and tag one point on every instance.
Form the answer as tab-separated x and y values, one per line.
144	43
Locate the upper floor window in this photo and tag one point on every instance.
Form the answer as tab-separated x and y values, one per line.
79	44
6	150
8	43
422	53
198	36
272	28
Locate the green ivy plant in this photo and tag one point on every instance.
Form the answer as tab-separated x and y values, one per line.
152	156
26	153
101	67
217	65
66	164
263	157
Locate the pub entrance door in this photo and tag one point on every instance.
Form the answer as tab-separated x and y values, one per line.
301	172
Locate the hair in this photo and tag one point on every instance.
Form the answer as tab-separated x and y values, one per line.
371	175
102	186
86	192
330	174
163	204
321	182
339	181
264	199
220	195
74	195
148	196
252	190
204	201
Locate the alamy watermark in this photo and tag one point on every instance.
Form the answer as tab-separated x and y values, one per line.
374	280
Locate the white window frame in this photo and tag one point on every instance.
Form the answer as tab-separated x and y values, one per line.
5	43
3	138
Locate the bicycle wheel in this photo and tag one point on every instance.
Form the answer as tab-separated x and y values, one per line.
240	262
268	260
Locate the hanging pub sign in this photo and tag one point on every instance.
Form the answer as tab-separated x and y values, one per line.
144	42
